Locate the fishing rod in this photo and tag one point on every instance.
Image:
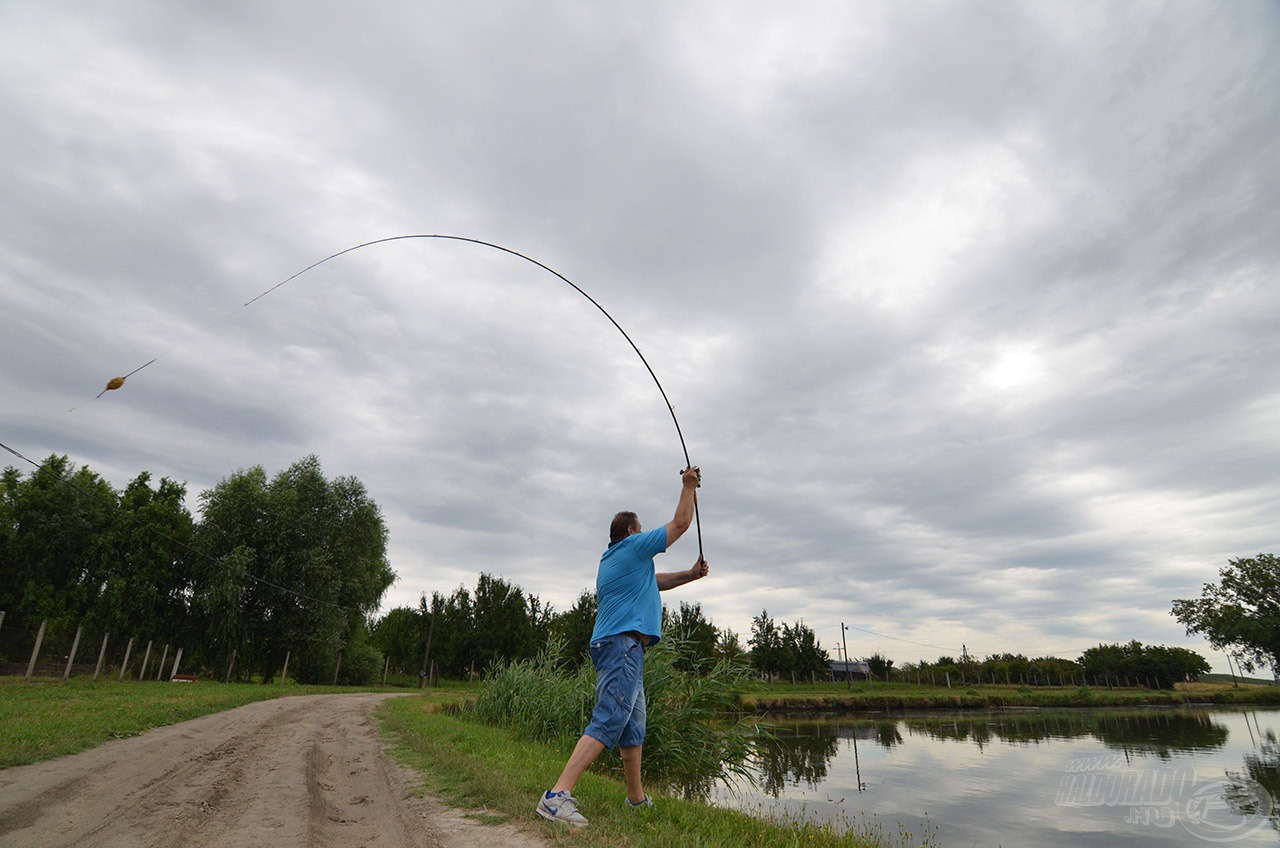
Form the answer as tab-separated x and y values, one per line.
117	382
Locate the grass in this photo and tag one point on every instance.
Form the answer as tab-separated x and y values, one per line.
867	696
494	770
40	720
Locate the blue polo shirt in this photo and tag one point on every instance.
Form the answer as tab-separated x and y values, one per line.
627	586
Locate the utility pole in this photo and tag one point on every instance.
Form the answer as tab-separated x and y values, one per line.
848	675
426	657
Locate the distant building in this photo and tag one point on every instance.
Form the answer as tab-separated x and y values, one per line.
848	670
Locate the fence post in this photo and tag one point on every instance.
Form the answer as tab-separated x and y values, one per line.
337	668
231	665
146	658
285	673
124	666
35	652
948	679
177	659
386	666
1	618
71	658
101	656
163	657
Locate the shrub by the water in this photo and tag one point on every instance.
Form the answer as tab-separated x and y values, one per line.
697	732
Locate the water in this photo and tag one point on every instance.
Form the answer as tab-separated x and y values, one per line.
1110	778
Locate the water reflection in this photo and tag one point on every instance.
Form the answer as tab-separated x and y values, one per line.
1004	773
800	751
1261	768
1161	734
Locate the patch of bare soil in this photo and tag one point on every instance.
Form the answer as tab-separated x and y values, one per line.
298	771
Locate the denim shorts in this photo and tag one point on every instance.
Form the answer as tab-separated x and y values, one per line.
619	717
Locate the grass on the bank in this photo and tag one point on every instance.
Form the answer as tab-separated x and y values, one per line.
43	719
491	768
877	696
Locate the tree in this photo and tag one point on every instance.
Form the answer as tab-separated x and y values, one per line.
729	646
802	656
766	645
454	633
880	667
296	565
398	635
52	521
1240	613
1056	670
693	635
504	623
499	622
1168	665
573	628
789	649
1161	666
143	564
1004	668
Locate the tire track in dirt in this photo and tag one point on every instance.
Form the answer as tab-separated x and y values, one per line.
298	771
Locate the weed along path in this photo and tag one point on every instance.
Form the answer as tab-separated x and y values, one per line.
295	771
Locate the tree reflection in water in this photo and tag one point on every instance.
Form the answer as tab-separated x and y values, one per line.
800	752
1262	768
795	754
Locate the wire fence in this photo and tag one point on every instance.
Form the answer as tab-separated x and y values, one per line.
43	649
47	649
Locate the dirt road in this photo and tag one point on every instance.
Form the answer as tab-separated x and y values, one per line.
300	771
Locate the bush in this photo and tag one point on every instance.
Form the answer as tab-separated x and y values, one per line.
361	665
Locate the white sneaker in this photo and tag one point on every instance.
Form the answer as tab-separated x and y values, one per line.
561	807
647	802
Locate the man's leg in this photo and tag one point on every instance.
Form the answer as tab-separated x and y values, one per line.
584	754
631	772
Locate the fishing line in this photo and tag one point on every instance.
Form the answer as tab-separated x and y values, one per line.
117	382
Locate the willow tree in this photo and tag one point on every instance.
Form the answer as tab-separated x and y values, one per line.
296	564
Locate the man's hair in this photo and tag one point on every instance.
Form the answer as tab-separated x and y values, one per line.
620	527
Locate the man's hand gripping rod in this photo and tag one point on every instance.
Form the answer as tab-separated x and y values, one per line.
697	520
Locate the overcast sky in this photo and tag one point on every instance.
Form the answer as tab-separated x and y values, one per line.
967	310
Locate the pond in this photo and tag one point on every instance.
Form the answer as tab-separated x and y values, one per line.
1114	778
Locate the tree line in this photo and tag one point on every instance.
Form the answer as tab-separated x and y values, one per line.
295	565
463	633
499	621
288	566
1132	664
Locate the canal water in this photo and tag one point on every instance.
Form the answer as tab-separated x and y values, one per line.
1183	776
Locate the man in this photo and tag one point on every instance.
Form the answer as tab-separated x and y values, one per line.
628	620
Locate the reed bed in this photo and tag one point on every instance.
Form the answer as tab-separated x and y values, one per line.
698	732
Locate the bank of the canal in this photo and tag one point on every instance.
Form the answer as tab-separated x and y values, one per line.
895	697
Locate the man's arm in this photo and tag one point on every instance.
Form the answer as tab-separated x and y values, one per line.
690	480
672	579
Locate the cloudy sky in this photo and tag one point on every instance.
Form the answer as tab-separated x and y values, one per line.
967	310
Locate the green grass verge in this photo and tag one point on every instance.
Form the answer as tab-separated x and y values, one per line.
40	720
482	767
